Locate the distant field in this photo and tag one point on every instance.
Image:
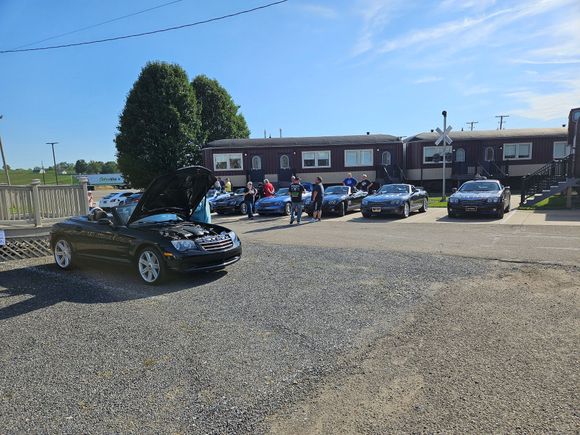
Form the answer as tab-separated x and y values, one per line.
25	176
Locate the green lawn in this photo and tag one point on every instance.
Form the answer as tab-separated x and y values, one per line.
552	203
20	177
435	202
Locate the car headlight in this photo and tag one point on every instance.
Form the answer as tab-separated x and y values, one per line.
233	236
453	200
279	203
184	245
497	199
365	202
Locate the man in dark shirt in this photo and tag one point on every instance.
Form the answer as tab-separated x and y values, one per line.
317	197
250	193
296	190
364	184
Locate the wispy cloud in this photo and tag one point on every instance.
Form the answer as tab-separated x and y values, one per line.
375	14
428	79
318	10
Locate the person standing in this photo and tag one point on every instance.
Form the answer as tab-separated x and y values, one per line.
249	198
364	184
349	181
317	197
91	200
268	188
296	190
228	185
222	183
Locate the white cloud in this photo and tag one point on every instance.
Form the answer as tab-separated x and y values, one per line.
467	4
375	14
548	106
319	10
428	79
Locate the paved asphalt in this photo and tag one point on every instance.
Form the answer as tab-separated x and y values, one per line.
257	348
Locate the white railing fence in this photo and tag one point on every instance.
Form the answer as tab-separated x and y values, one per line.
33	203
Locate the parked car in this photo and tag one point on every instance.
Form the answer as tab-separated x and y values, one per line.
480	196
339	200
113	199
153	235
280	203
231	203
213	195
134	198
401	199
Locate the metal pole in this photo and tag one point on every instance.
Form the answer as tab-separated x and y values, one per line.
43	177
444	113
54	160
4	160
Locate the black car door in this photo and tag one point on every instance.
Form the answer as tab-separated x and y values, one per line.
106	241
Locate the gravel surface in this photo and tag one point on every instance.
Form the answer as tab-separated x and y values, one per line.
94	350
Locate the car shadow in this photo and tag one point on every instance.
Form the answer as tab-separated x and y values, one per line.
470	218
379	219
47	285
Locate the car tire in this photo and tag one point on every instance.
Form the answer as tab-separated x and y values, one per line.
425	206
366	214
243	208
151	267
508	208
310	214
451	214
406	211
63	254
500	212
342	209
287	209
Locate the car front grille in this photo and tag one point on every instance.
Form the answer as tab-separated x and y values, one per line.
471	202
215	243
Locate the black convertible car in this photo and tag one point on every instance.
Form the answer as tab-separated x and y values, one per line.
399	199
153	235
338	200
480	196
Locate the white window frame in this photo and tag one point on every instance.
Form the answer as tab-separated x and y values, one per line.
383	154
316	158
567	149
287	159
228	158
448	151
458	151
517	145
358	158
259	160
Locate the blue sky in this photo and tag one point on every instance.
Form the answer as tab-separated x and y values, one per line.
308	67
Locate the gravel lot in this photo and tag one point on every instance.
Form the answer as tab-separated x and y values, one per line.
292	339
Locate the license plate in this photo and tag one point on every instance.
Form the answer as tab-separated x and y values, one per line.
376	209
470	208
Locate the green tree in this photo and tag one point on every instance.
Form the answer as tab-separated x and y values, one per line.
109	168
81	167
159	129
94	167
219	114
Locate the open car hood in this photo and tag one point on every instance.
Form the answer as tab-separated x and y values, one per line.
180	191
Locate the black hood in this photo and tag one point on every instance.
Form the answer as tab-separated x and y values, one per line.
180	191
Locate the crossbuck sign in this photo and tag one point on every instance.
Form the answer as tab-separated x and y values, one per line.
444	136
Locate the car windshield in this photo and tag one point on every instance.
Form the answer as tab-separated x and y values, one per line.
125	211
336	190
239	191
394	188
282	192
485	186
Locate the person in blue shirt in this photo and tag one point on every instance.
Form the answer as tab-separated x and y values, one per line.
349	181
202	212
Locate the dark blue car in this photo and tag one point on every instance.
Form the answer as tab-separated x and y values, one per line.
280	203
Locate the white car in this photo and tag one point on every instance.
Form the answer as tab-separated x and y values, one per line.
113	199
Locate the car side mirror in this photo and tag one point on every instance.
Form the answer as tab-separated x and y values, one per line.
105	221
454	190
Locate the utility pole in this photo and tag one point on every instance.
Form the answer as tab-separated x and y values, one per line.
501	117
444	113
471	123
52	144
4	159
43	176
280	132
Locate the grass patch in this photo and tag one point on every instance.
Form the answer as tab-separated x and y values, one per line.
23	177
435	202
556	202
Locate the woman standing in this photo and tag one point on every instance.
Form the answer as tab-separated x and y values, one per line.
249	197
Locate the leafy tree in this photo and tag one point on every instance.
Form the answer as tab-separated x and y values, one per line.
109	168
65	167
94	167
159	129
219	114
81	167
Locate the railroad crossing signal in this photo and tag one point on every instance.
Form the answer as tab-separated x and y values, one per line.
444	136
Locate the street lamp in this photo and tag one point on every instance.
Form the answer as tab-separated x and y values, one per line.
52	144
4	159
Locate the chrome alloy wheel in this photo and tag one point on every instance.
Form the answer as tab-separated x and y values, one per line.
63	254
149	266
406	210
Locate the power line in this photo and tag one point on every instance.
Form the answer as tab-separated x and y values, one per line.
501	122
136	35
471	124
112	20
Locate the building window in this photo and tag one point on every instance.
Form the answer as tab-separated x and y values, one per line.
517	151
489	154
227	162
316	159
561	150
256	163
460	155
284	162
434	154
358	158
386	158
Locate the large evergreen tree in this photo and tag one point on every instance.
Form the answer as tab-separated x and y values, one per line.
159	129
219	114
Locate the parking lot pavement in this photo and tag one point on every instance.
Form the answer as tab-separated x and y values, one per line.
333	327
